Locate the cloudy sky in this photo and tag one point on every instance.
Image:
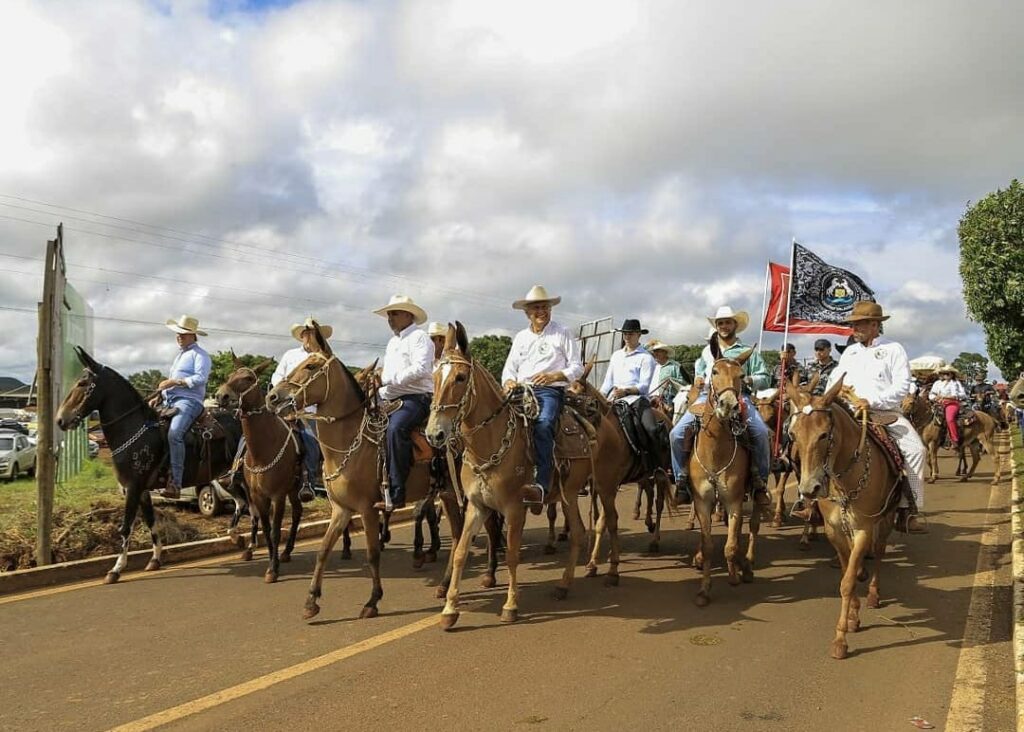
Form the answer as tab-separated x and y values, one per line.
251	162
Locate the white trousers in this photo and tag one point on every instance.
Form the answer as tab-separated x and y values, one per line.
913	451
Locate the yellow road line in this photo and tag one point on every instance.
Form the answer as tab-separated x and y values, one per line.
258	684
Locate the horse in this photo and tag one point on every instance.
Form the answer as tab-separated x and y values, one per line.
979	433
856	488
497	464
720	468
351	429
138	447
272	464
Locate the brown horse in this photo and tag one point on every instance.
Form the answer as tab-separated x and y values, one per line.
497	464
980	433
351	429
272	464
720	468
855	487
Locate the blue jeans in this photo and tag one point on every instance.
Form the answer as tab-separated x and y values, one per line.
755	425
550	400
311	456
188	411
414	411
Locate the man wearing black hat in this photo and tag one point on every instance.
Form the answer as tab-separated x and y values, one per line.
627	382
823	365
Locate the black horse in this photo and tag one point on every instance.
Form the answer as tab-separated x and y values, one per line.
138	446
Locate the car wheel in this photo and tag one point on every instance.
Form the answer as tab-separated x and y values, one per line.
209	501
14	472
32	470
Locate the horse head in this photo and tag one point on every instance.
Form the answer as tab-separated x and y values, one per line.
309	383
83	398
579	386
811	432
726	385
242	385
452	390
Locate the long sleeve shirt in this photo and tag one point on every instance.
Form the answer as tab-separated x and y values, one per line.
191	365
288	363
630	370
660	385
951	389
408	365
754	367
553	349
879	373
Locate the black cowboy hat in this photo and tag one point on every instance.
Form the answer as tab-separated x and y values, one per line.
632	325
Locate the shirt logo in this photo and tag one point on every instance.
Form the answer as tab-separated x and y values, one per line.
544	348
880	354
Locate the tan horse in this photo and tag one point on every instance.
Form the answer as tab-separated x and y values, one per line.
496	465
272	464
351	428
980	433
855	488
720	468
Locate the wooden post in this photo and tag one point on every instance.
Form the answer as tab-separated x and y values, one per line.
46	452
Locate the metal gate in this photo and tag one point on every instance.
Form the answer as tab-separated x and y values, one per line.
597	343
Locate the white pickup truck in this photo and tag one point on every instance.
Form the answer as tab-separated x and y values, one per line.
17	455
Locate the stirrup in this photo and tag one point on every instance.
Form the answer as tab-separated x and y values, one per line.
684	491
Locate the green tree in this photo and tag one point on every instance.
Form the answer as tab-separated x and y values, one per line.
771	360
145	381
687	355
491	351
223	365
970	364
992	268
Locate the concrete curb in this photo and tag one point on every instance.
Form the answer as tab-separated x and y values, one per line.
1016	520
94	567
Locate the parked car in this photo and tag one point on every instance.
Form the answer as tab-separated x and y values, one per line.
13	425
17	456
212	498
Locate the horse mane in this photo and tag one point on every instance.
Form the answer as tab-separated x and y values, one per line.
716	349
352	380
131	390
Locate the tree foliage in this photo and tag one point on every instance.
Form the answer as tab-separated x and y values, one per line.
145	381
687	354
491	351
992	268
223	365
969	364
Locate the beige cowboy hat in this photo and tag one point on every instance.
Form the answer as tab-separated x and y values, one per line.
437	329
405	304
185	324
296	330
866	310
657	345
535	295
741	317
949	370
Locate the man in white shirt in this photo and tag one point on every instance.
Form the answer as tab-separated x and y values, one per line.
546	356
628	380
948	392
407	376
879	373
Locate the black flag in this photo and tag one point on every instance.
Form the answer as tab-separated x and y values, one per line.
823	293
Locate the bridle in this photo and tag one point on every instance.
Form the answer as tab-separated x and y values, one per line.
300	390
467	401
241	411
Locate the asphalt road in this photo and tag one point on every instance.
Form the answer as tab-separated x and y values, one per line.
210	646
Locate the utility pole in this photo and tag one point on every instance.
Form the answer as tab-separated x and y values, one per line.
46	445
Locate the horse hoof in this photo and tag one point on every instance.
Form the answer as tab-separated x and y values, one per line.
872	601
430	557
509	616
689	526
702	599
488	581
929	480
154	565
653	548
748	575
286	558
417	562
561	593
563	536
311	611
448	621
270	578
550	549
111	578
776	522
862	575
852	625
440	593
636	515
611	580
591	570
839	650
368	611
346	554
650	526
733	580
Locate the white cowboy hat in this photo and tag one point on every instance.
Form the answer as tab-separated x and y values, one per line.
185	324
657	345
405	304
535	295
296	330
437	329
741	317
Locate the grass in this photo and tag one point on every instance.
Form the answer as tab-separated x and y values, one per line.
95	482
1018	452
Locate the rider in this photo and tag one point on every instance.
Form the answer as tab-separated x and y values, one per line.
727	324
183	391
438	332
546	356
879	373
948	391
823	365
788	365
984	397
667	376
407	376
628	379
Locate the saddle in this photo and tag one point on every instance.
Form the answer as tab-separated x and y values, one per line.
629	420
204	428
576	438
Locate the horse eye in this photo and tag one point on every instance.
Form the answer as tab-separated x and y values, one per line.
459	378
822	436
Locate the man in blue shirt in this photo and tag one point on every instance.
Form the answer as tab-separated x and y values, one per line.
727	325
184	390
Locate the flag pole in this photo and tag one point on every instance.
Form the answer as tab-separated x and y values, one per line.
789	291
785	342
764	304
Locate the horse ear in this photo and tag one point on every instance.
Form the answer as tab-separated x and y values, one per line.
588	368
716	350
742	359
461	338
320	340
86	360
813	383
832	393
235	360
262	367
450	342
